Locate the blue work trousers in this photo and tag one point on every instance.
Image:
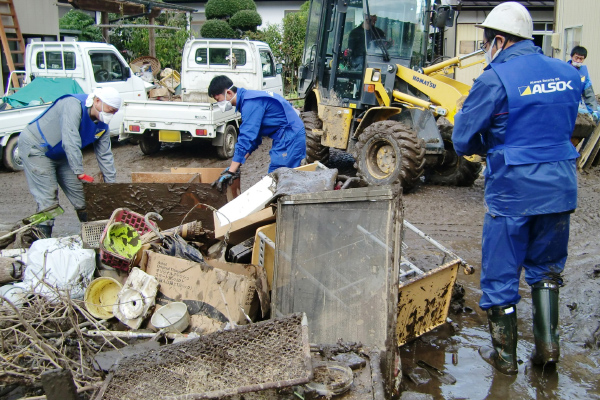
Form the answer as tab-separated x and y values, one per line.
536	243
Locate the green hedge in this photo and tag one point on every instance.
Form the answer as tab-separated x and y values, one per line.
246	20
217	29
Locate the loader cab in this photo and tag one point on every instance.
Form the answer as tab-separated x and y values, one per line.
346	37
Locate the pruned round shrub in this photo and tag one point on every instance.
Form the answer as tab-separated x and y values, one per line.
246	20
217	9
217	29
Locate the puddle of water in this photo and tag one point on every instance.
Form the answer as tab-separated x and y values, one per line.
456	353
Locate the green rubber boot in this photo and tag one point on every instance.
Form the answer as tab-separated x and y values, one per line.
503	328
544	296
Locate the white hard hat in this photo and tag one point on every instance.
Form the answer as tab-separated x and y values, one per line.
510	17
109	96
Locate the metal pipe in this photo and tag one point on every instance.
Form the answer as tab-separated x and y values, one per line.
467	268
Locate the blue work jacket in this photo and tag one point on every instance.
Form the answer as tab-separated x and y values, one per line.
530	167
89	130
268	114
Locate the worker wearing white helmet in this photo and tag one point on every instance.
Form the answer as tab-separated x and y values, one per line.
520	114
50	148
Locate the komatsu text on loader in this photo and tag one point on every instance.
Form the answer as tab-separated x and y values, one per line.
368	91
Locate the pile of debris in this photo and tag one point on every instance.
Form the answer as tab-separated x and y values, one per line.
166	81
145	304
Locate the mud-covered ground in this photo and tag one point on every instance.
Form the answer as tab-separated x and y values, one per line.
454	217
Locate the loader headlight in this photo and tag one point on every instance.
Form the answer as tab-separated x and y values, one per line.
376	75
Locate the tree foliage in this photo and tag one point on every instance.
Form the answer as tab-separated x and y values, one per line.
240	15
217	28
246	20
78	20
135	42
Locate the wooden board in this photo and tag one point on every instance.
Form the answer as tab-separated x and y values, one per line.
165	177
590	150
207	175
171	200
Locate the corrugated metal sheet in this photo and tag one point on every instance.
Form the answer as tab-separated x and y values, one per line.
37	17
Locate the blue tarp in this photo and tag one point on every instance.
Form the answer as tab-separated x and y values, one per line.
43	90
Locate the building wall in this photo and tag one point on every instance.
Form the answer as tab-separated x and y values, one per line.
469	38
37	17
582	14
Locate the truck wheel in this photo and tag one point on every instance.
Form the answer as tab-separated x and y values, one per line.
454	170
12	160
389	153
149	143
315	151
229	139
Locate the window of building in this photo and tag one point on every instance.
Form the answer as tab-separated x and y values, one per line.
107	67
54	60
572	39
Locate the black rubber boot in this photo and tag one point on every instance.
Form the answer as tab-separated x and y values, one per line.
82	215
544	296
503	328
46	230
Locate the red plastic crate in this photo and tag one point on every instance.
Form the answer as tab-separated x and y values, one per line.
129	217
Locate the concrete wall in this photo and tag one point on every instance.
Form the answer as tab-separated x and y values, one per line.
584	14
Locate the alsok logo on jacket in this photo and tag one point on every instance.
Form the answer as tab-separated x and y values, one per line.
545	86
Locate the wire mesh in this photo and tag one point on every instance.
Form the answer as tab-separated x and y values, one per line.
265	355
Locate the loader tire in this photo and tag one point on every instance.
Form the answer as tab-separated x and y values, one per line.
12	159
453	170
389	153
315	151
149	143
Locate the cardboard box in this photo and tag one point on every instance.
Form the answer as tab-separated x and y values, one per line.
214	293
159	92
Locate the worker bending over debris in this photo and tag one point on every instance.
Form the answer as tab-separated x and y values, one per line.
521	112
263	114
50	147
589	104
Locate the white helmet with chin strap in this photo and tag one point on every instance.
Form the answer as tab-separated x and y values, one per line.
510	17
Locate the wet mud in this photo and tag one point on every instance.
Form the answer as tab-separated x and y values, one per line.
454	217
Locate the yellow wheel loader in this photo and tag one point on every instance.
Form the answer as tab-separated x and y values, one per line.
368	91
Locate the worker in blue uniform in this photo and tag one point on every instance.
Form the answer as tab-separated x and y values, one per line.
50	147
589	104
520	113
263	114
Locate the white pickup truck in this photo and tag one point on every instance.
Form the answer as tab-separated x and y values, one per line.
249	64
91	65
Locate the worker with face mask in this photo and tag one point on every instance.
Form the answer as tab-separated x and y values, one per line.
588	104
263	114
521	113
50	147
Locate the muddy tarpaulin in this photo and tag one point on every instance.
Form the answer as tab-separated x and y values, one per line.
171	200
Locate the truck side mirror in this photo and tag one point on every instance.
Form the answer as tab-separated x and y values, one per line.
278	68
127	73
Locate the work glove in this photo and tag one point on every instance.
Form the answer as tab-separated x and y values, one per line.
227	177
85	178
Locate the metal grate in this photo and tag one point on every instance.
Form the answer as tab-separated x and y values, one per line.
265	355
92	231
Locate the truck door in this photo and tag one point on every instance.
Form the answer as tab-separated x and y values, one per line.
109	70
271	80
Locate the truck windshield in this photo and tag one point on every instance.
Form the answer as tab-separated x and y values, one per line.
394	25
